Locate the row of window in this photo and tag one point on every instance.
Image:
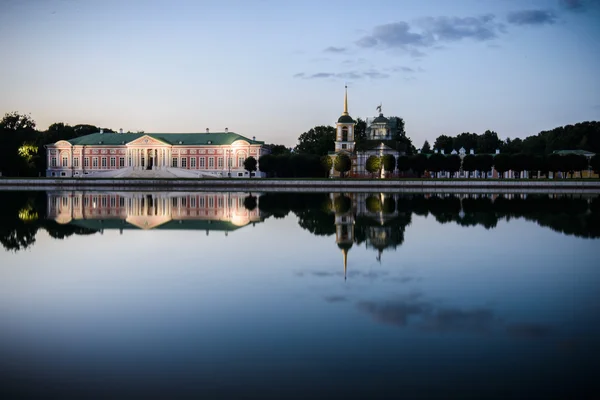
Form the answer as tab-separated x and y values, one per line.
194	201
175	162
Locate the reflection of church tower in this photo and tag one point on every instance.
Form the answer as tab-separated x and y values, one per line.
344	136
344	232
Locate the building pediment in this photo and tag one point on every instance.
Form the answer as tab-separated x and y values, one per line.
147	140
146	221
62	143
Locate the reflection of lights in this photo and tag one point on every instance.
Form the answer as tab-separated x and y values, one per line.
94	204
27	214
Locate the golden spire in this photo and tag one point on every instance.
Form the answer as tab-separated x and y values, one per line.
345	253
345	101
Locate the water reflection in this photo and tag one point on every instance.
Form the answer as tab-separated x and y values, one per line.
376	220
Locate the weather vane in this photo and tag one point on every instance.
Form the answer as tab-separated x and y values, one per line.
379	108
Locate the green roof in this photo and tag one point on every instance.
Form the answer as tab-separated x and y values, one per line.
216	138
380	119
346	119
200	225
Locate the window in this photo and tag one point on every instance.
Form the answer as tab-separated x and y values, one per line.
193	201
113	202
121	162
86	162
103	201
65	161
86	201
184	163
121	201
241	162
211	162
344	145
220	162
201	159
201	202
174	162
193	162
174	202
220	202
76	162
113	162
53	161
240	174
345	134
184	202
63	174
103	162
95	162
130	163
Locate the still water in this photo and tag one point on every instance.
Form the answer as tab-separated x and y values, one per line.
271	295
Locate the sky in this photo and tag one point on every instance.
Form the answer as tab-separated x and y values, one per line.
274	69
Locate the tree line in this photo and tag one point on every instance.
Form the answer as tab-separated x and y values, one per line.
580	136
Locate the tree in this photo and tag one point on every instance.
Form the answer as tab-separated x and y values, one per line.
17	144
278	149
326	164
266	164
520	162
452	164
373	164
403	163
388	162
250	165
512	146
469	163
360	134
484	162
575	162
435	162
595	163
13	121
342	164
318	140
501	163
465	140
444	142
418	163
426	149
488	142
555	163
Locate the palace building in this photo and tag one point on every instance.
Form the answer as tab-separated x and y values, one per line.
203	211
168	155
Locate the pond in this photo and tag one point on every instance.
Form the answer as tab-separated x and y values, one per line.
298	295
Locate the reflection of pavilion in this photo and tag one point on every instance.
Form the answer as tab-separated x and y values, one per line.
369	218
209	211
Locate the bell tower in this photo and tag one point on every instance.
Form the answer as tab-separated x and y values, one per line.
344	135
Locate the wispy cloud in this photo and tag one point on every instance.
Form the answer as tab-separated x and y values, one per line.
354	75
531	17
333	49
574	5
431	32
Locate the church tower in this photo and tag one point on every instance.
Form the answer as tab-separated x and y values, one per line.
344	136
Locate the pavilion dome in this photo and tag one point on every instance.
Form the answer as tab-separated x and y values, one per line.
380	119
345	119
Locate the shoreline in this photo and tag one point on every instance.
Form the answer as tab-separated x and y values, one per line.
428	185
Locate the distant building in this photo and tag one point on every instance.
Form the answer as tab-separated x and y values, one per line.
168	155
379	135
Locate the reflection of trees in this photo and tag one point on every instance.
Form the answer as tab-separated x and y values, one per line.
22	215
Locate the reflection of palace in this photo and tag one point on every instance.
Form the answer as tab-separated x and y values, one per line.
209	211
369	218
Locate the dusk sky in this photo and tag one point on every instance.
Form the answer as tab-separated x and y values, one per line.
274	69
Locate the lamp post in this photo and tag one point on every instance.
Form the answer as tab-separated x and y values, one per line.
229	162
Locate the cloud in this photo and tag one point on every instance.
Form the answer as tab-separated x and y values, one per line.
394	313
333	49
574	5
456	320
431	32
392	35
531	17
402	68
452	29
335	299
354	75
